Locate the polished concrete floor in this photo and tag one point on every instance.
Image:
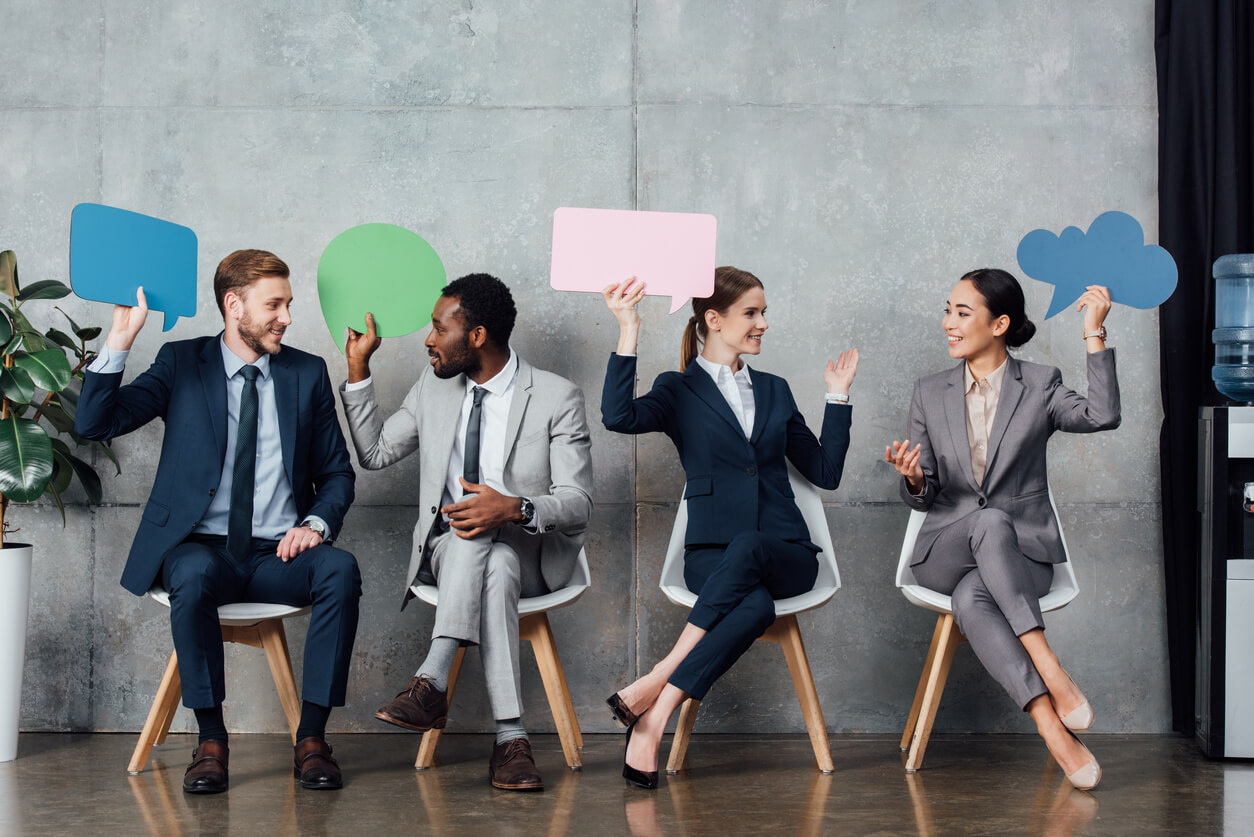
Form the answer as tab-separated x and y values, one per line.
986	784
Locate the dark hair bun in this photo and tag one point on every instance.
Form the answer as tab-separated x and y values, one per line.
1016	337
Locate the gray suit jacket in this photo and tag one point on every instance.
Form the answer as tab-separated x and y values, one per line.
1033	404
548	457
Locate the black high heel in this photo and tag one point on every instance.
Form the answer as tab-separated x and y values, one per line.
621	713
639	778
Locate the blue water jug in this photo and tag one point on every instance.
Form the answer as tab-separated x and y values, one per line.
1233	372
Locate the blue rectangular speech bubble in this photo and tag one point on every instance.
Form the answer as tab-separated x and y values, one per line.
114	251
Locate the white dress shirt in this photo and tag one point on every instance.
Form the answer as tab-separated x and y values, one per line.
737	390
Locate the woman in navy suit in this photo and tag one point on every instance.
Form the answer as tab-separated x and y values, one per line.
746	543
990	539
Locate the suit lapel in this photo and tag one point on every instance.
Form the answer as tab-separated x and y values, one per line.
517	406
287	404
213	383
1007	401
762	403
703	386
956	417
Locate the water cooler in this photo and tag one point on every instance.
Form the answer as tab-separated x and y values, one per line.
1225	658
1225	625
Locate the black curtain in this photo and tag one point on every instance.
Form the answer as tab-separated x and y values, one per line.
1206	210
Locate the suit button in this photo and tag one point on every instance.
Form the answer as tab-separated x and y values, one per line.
751	471
433	509
213	491
983	502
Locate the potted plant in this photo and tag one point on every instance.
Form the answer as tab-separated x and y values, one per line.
40	375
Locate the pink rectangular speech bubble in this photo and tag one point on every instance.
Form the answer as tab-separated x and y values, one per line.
671	252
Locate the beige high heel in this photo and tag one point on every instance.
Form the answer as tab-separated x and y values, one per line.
1078	719
1087	777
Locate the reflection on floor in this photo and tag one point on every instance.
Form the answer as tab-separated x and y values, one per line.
986	784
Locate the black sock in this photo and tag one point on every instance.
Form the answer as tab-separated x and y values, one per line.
313	720
212	727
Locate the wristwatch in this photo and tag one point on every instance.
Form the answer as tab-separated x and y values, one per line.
1101	333
528	512
317	527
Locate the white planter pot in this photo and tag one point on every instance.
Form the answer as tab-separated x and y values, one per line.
15	564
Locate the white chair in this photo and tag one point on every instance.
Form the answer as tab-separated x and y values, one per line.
946	636
784	631
533	627
247	623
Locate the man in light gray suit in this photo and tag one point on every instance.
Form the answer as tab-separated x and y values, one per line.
504	498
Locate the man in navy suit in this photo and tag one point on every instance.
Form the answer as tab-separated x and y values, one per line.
252	486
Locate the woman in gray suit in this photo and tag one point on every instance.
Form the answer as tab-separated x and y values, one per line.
990	540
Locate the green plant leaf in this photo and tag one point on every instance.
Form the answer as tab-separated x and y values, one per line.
89	478
6	329
88	333
57	499
106	449
17	385
48	369
8	273
32	340
62	470
57	417
62	339
45	289
25	459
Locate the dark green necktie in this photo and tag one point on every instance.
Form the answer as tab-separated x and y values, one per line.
239	532
470	462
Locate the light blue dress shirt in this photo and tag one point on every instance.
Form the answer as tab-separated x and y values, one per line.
274	505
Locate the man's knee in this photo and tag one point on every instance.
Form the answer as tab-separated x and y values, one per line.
336	572
501	573
191	573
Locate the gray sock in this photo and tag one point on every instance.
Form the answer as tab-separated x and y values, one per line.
509	729
439	661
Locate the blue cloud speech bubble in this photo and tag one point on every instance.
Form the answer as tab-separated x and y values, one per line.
1113	253
113	252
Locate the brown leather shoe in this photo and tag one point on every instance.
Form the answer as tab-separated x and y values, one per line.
513	768
314	766
420	707
208	771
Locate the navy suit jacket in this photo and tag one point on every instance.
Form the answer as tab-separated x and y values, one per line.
734	484
186	386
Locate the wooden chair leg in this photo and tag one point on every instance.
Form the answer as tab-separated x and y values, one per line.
937	674
431	738
536	630
913	718
160	715
274	641
683	733
787	633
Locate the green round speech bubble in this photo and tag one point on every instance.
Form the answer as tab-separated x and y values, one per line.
382	269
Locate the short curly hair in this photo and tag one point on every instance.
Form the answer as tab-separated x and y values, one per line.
485	301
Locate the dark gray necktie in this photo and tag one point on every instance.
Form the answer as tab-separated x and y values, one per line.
470	462
239	530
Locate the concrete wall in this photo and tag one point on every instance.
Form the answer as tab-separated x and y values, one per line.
860	156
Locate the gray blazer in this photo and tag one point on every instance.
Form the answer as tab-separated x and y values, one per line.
548	457
1033	404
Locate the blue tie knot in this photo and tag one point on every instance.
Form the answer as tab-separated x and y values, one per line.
249	372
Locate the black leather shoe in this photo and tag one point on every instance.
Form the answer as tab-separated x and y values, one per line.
208	771
314	766
621	712
639	778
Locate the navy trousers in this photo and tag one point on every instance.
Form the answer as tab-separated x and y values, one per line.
737	586
200	575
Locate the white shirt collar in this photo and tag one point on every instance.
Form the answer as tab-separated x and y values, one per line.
501	381
714	370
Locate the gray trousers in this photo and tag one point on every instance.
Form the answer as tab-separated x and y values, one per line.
480	581
996	592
